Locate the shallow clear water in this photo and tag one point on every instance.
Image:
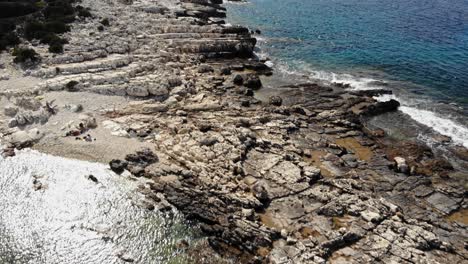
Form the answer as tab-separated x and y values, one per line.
418	48
72	219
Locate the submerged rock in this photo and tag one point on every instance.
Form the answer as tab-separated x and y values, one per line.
238	80
253	82
381	107
275	100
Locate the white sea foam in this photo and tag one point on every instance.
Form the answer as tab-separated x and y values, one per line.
356	83
443	125
270	64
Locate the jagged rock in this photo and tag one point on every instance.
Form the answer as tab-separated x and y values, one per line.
28	103
74	108
116	129
126	2
9	151
143	157
275	100
249	92
160	91
136	170
118	166
205	68
400	165
225	71
253	82
4	77
260	192
208	142
350	160
371	216
238	79
12	122
88	121
137	91
245	174
381	107
10	110
23	139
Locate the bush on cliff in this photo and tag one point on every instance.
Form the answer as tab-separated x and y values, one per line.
8	39
52	38
46	19
56	48
83	12
41	4
59	10
17	8
23	55
39	30
7	35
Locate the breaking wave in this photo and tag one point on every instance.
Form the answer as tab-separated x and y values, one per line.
439	122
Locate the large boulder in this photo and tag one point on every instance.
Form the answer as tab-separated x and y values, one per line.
118	166
22	139
137	91
253	82
381	107
275	100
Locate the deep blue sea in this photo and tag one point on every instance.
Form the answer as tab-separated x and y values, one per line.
418	48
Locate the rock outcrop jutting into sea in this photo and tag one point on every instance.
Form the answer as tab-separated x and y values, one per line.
297	179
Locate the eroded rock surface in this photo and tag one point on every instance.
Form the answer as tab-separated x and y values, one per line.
272	182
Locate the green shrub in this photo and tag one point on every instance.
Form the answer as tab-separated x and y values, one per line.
34	30
58	9
56	47
52	38
52	18
38	30
56	27
8	39
83	12
11	9
24	54
41	4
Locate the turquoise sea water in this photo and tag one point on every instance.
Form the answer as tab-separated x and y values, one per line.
418	48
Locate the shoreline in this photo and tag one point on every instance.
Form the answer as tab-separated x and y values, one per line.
444	115
299	180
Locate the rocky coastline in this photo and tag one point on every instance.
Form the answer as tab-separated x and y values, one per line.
167	91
